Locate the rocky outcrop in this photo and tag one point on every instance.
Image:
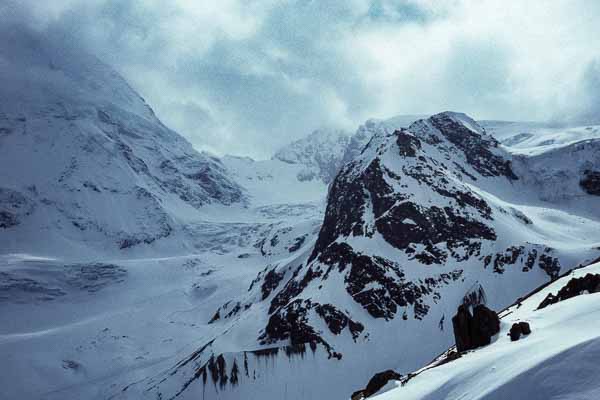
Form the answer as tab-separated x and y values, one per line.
476	330
518	329
590	283
375	384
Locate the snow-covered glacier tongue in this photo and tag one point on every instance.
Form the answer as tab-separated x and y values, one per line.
422	220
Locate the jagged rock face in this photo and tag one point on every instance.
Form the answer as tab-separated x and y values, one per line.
83	156
321	153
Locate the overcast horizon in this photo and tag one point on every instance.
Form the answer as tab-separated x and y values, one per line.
246	77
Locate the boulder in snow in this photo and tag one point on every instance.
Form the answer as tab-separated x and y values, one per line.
472	331
375	384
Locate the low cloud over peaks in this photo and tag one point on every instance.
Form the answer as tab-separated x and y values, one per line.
246	77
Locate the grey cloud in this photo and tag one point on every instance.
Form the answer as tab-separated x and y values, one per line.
250	76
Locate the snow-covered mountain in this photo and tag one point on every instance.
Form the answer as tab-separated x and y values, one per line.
557	360
370	128
424	219
319	154
85	165
274	181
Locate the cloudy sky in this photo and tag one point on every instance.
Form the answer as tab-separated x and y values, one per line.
245	76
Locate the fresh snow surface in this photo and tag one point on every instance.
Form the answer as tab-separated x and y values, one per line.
558	360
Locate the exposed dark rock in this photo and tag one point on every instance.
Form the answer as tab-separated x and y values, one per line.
293	288
216	316
516	255
509	257
475	296
270	282
590	283
530	260
400	221
516	330
549	264
475	147
375	384
472	331
234	374
461	324
407	143
484	324
8	219
337	321
525	328
591	182
290	323
379	285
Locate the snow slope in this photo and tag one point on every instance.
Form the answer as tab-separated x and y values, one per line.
558	360
274	181
532	138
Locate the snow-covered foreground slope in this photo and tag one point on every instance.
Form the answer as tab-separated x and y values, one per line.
421	221
558	360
